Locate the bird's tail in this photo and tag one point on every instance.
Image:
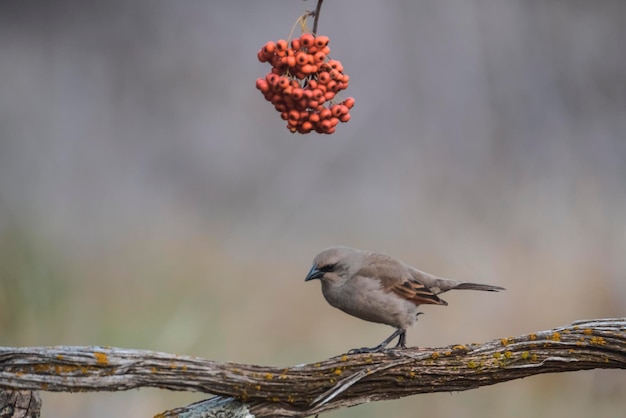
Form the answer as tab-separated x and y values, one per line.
478	286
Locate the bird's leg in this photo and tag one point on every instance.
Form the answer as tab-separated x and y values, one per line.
401	332
402	339
380	347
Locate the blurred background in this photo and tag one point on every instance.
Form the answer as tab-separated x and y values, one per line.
150	198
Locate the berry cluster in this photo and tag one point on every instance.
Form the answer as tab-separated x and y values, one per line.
303	83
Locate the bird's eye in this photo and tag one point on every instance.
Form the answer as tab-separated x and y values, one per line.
327	267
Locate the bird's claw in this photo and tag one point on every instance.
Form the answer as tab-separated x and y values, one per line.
366	350
393	351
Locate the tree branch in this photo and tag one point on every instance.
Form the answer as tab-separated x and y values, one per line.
19	404
338	382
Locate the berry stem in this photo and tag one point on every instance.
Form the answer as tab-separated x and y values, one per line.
317	16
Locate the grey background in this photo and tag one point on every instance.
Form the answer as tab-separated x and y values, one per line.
150	197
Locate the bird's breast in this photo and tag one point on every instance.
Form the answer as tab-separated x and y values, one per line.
365	299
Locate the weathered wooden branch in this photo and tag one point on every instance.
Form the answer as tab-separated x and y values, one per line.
340	381
19	404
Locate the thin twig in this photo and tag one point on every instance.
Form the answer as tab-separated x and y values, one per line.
317	16
343	385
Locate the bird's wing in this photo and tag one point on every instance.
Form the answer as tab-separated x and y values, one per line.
395	277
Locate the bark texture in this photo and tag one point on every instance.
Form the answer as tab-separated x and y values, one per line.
341	381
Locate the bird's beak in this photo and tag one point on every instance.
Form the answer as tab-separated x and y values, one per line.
313	274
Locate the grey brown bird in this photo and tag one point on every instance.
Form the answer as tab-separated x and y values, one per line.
378	288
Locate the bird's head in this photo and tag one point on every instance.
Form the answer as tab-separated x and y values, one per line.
334	265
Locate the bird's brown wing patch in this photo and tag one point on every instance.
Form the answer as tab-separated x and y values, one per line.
417	293
395	277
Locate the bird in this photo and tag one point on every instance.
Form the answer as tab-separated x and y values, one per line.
378	288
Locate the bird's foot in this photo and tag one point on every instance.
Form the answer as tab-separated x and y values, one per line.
365	350
400	332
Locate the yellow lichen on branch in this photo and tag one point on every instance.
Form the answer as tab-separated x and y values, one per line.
345	380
